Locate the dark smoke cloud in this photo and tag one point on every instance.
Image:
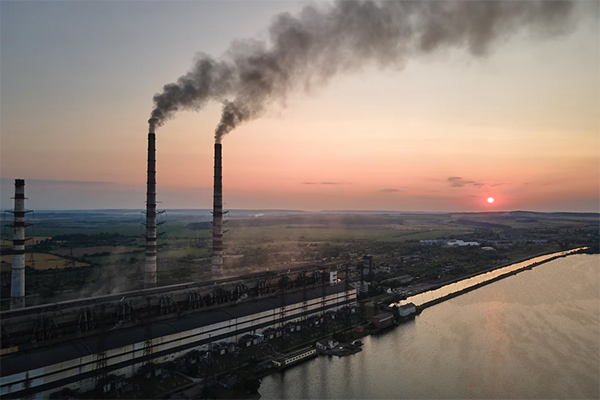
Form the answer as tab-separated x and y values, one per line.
307	50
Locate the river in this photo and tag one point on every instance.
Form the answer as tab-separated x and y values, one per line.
534	335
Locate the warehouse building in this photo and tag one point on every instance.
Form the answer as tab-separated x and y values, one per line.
76	365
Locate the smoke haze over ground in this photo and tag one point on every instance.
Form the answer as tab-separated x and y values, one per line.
307	50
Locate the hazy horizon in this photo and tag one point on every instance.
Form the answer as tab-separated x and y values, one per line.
284	210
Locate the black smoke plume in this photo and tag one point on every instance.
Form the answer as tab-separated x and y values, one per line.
306	50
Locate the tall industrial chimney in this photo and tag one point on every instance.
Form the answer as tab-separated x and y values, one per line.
150	264
17	284
217	254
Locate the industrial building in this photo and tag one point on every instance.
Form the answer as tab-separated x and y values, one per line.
75	344
447	243
383	320
76	364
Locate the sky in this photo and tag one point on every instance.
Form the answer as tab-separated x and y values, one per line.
445	132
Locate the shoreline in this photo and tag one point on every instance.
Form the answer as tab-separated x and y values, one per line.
554	256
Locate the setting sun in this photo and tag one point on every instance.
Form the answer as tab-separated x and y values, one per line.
490	200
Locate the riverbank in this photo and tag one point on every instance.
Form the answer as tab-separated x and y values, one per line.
532	336
437	285
468	283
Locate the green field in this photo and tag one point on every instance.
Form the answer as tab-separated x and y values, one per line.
41	261
287	234
112	244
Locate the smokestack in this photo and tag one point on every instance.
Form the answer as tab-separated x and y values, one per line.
17	286
150	264
217	254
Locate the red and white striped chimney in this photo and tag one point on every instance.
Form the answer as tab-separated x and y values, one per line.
150	263
217	243
17	284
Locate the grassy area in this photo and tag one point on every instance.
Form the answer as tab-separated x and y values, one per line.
185	252
42	261
88	251
107	259
129	228
343	235
113	241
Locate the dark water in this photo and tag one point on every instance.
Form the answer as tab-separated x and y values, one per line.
532	335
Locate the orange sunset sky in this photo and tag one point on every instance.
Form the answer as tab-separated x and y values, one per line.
443	133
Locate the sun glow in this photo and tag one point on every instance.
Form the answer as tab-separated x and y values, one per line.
490	200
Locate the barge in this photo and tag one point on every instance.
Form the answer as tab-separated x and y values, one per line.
295	358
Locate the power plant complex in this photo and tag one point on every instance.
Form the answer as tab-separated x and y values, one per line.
77	344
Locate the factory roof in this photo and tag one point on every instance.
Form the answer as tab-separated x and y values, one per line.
44	356
382	316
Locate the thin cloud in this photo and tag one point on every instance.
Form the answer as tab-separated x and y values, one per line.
457	181
320	183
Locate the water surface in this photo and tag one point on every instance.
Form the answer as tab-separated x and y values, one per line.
535	335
